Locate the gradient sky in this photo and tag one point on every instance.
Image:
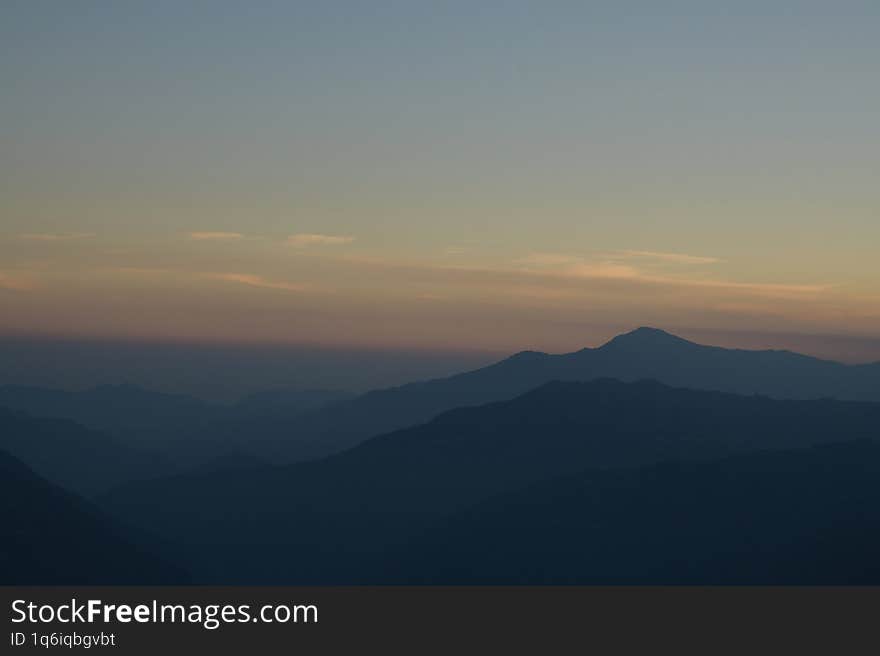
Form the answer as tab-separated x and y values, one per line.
486	175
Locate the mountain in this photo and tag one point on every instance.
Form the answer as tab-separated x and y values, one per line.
283	402
318	521
77	458
288	426
51	537
268	416
184	429
126	411
807	516
645	353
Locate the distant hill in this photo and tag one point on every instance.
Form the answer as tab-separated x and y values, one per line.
129	412
645	353
51	537
807	516
285	402
319	521
185	429
293	425
265	417
72	456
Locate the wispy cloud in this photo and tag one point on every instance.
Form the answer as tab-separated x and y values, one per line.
621	266
547	259
253	280
612	268
249	279
143	271
215	236
553	273
15	282
627	273
673	258
562	265
604	270
69	236
555	269
302	240
759	288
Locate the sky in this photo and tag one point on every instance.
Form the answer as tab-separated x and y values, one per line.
487	176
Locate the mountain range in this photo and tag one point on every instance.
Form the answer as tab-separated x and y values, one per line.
189	431
49	536
804	516
317	522
649	459
283	426
80	459
645	353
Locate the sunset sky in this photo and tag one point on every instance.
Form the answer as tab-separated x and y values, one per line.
443	175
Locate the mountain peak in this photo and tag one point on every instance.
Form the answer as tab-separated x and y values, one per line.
647	336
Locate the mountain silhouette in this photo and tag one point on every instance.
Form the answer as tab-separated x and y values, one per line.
807	516
316	522
77	458
289	426
282	402
187	430
128	412
645	353
49	536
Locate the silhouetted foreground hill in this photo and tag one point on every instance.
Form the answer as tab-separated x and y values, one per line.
645	353
51	537
75	457
808	516
321	521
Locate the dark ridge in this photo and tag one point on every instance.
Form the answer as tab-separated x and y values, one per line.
277	428
322	519
80	459
805	516
51	537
